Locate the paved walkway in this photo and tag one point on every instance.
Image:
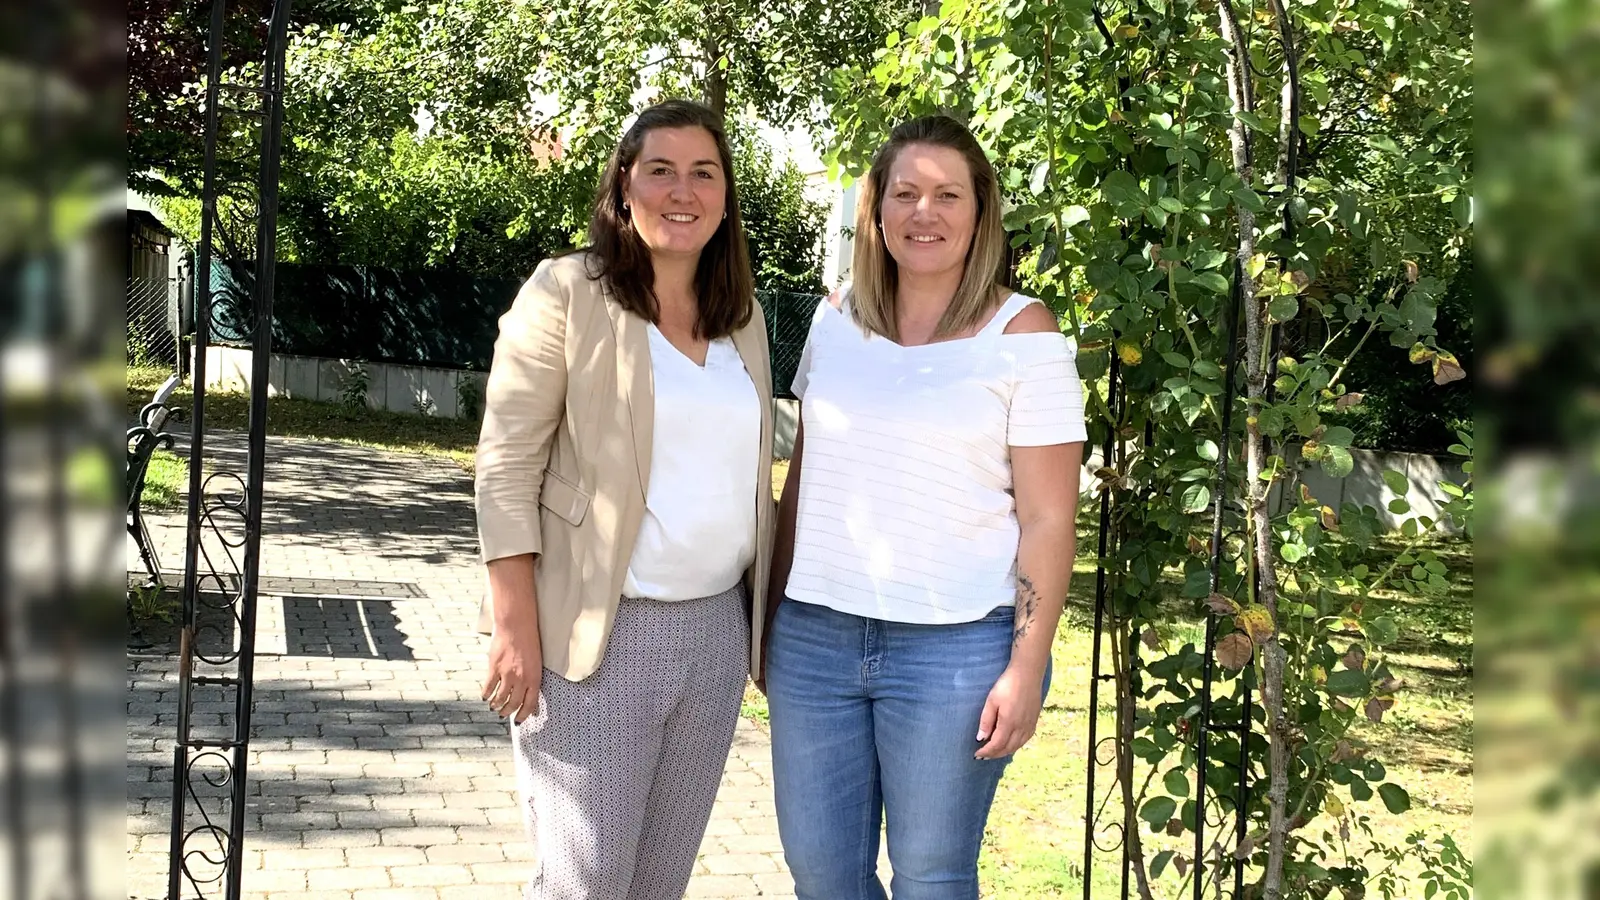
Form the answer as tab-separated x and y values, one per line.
376	771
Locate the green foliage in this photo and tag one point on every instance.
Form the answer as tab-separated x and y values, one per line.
353	388
784	227
469	397
1109	128
1400	407
469	134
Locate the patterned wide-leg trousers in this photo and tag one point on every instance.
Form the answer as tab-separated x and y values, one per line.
618	772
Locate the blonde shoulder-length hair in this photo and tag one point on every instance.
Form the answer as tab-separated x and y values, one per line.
875	274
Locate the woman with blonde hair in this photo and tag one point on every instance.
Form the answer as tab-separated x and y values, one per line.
624	507
925	535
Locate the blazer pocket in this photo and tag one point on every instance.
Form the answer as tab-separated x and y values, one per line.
563	498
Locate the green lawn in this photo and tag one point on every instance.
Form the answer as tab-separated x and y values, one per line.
1034	845
455	439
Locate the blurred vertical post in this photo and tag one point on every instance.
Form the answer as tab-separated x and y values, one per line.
1538	571
62	246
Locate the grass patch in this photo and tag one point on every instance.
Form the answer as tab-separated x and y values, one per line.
754	705
166	481
153	604
453	439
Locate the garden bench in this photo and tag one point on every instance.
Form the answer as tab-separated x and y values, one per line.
143	441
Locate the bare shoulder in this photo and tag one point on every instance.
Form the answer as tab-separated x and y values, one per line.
1033	319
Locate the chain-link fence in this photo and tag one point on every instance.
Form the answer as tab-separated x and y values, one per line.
151	341
788	322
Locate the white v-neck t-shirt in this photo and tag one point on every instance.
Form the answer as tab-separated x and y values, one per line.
699	530
906	511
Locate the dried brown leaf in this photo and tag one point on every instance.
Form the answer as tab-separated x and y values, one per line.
1353	398
1377	706
1355	658
1222	605
1446	369
1235	650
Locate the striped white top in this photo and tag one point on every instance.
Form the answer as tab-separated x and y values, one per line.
906	511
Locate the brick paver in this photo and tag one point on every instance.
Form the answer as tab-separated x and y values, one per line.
376	771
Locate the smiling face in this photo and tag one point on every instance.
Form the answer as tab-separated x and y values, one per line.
929	210
676	191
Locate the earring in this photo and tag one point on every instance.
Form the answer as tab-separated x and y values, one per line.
724	214
624	206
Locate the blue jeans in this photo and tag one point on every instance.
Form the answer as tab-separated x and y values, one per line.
875	720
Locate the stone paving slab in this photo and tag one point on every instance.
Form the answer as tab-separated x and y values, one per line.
376	772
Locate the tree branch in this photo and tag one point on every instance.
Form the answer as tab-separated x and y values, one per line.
1242	101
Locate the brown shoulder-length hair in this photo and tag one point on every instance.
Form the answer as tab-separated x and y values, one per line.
617	255
874	272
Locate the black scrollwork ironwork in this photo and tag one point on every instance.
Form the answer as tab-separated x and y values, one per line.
223	542
1222	787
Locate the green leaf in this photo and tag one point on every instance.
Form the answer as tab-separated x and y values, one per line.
1046	261
1360	790
1176	360
1249	199
1284	308
1197	498
1212	281
1205	368
1040	173
1382	631
1121	188
1253	120
1074	215
1176	782
1158	810
1159	864
1270	421
1384	143
1338	436
1102	274
1348	683
1399	506
1394	797
1397	481
1207	450
1337	462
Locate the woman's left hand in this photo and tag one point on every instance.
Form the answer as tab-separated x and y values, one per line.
1011	713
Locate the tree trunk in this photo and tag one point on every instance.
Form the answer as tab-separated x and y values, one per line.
716	90
1255	318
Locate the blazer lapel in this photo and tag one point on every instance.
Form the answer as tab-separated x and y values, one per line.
637	382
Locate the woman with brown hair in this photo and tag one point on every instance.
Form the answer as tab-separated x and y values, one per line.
624	508
925	537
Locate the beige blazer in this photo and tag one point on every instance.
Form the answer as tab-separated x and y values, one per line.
563	462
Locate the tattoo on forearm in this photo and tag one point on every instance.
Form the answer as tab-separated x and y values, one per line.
1027	609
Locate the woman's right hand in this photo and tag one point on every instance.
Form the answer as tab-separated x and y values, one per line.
516	662
515	667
